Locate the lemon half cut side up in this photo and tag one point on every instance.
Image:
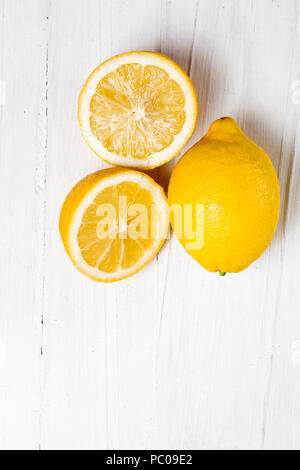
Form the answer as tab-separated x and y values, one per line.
113	222
137	110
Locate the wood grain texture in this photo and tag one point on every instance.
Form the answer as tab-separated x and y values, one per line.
174	357
22	162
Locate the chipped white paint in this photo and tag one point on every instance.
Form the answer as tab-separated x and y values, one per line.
174	357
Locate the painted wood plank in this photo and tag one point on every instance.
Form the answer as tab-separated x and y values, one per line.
22	164
282	413
74	389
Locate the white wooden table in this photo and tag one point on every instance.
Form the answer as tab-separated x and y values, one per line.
174	357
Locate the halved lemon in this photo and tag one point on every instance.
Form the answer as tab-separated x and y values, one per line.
137	109
113	222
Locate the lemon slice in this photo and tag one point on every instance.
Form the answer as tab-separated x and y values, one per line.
137	110
113	222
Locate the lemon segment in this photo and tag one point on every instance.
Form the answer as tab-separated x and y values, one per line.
113	222
137	109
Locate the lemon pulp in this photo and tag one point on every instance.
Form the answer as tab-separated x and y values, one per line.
137	110
121	243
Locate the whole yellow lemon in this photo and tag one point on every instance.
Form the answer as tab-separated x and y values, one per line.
224	198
